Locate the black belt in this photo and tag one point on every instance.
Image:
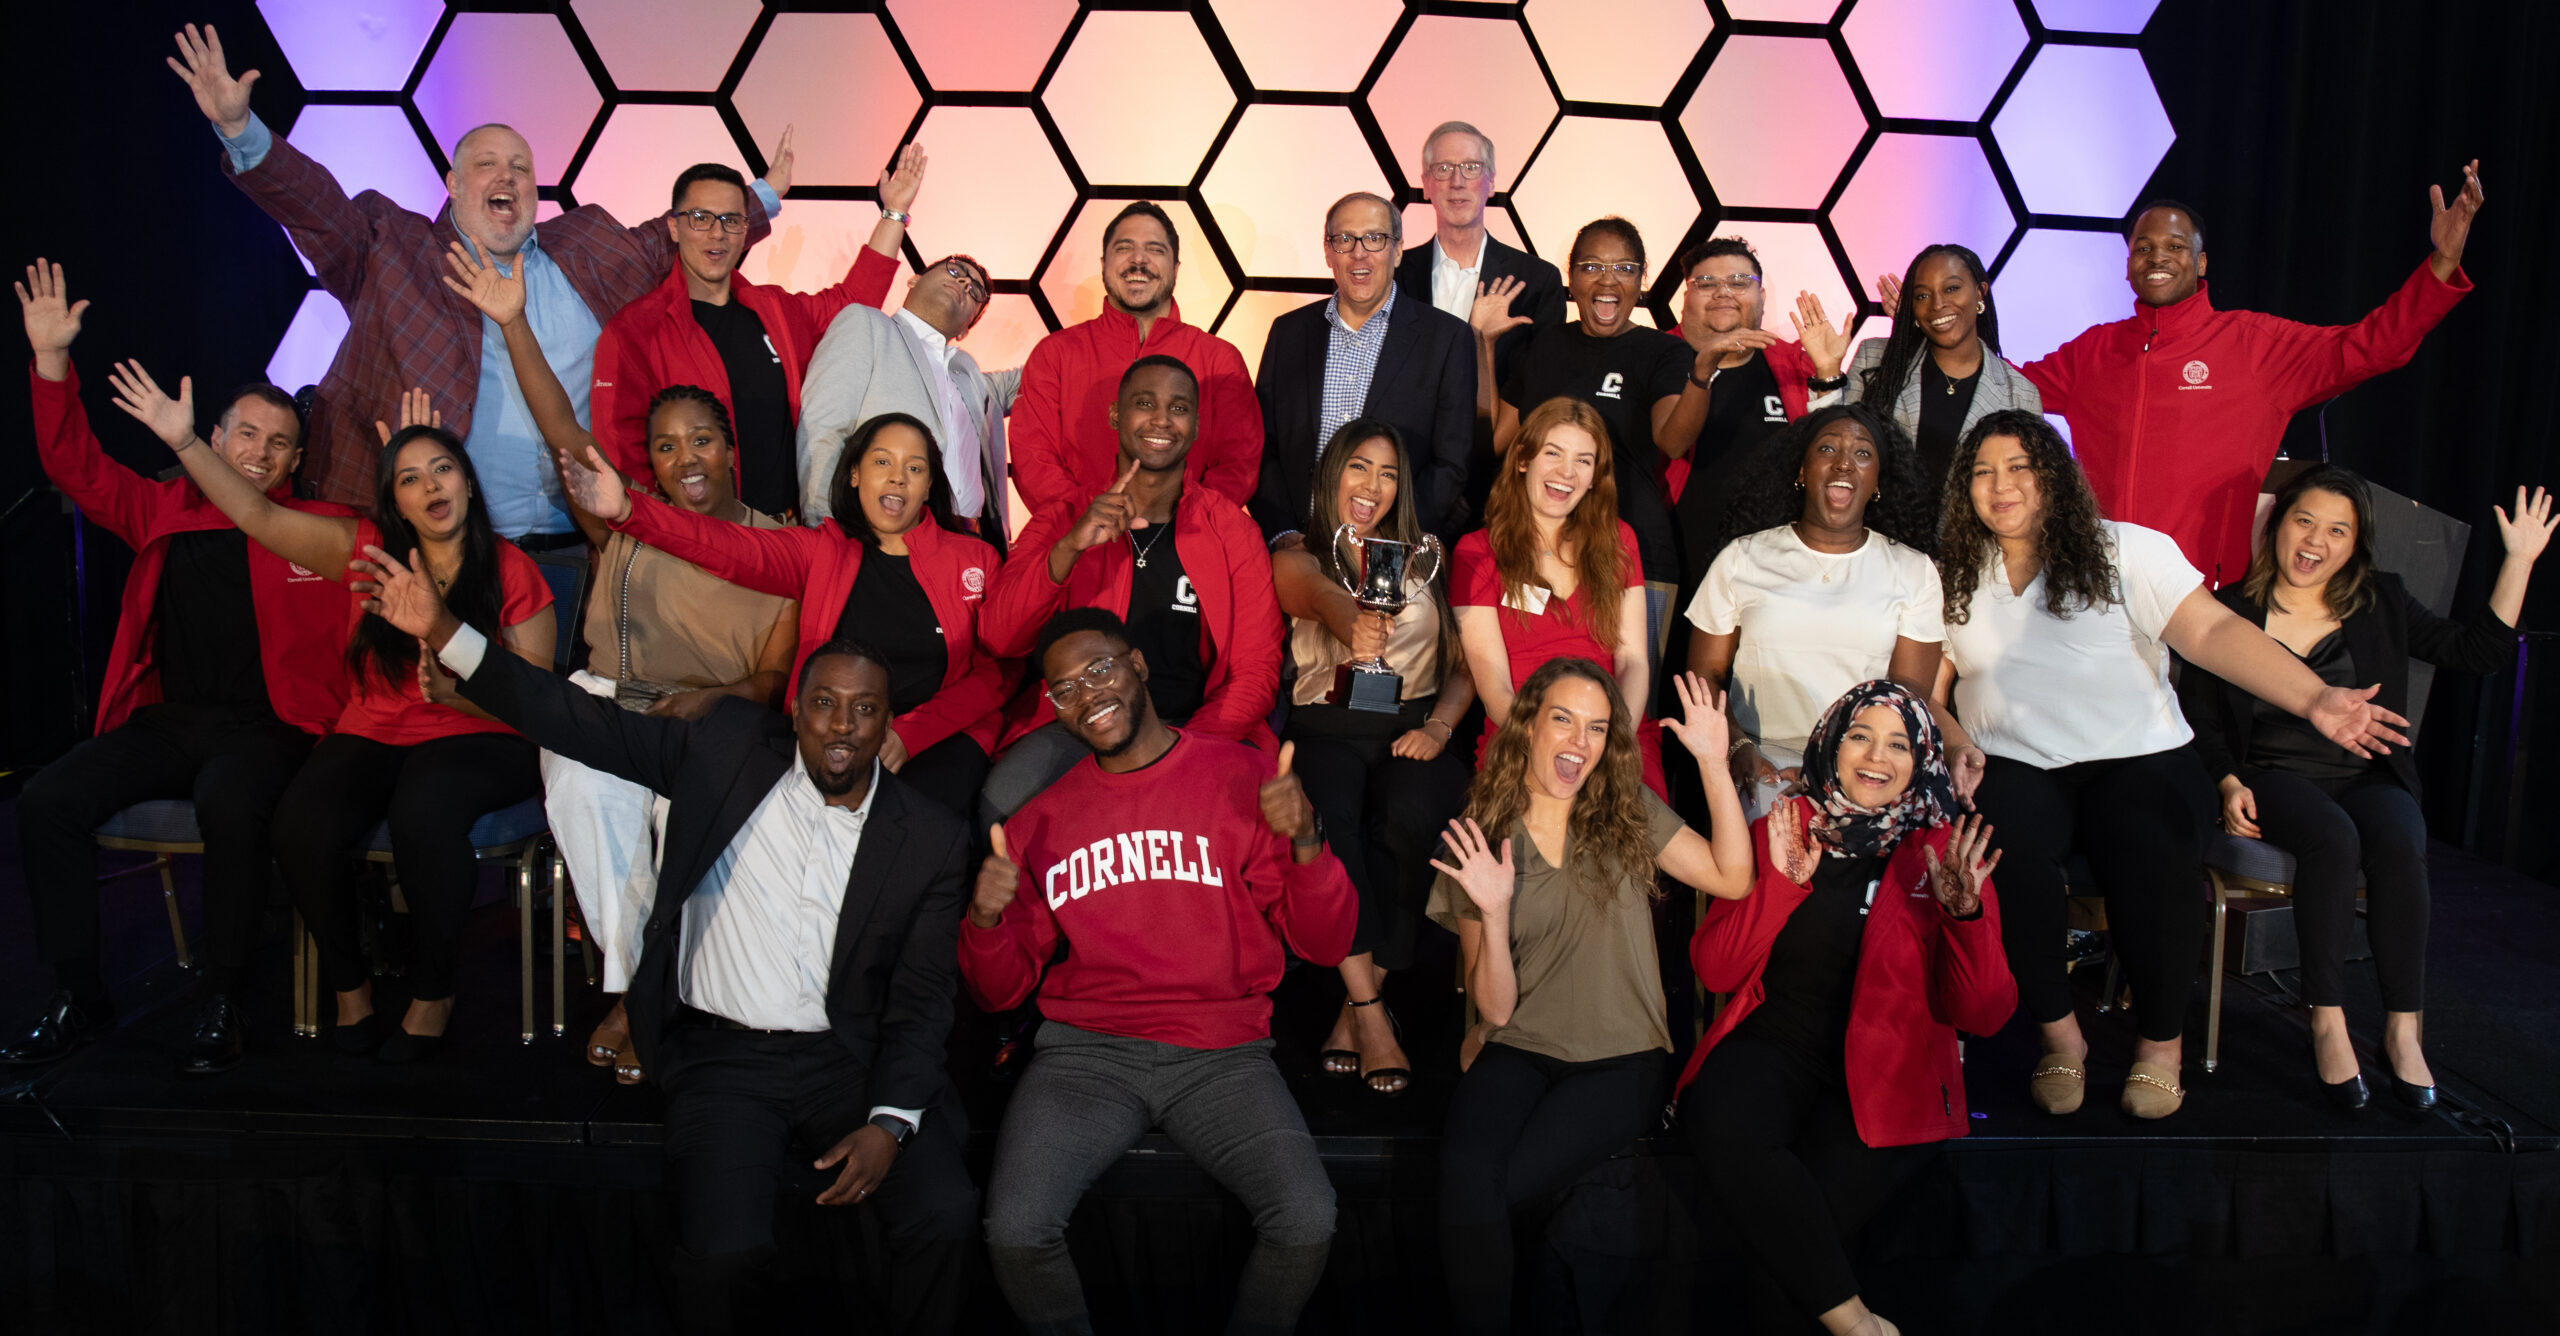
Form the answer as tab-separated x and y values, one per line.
549	542
712	1020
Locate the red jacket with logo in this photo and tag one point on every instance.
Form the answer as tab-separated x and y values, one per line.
1921	977
818	566
1065	450
2177	411
1240	626
1179	906
302	636
655	342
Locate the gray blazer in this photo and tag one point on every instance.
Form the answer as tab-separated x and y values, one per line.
2002	387
870	363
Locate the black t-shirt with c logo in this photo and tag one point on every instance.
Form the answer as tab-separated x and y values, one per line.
1164	623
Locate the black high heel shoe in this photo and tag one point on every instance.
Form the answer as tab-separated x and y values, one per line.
2420	1097
1403	1075
2349	1095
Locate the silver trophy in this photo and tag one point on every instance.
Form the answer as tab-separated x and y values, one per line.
1386	567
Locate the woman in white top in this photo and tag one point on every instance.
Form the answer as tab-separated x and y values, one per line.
2059	627
1828	585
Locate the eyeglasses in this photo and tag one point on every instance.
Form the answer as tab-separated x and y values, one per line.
1739	285
1098	674
1464	171
968	281
1595	268
1372	242
700	220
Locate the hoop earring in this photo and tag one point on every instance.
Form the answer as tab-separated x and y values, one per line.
1977	308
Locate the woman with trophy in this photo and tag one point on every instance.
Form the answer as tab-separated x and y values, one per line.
1379	689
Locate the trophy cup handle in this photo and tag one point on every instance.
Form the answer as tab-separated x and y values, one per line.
1431	544
1349	579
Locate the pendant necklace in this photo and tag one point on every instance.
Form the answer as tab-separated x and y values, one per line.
1152	540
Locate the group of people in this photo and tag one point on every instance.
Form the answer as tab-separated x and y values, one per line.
833	746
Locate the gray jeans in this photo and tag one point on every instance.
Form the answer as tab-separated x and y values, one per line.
1087	1099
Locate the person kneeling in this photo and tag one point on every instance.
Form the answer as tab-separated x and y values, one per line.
1870	936
1158	1011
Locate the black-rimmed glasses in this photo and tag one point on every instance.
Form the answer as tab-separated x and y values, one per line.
700	220
1372	242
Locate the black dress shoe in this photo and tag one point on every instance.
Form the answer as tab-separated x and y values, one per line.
2415	1096
2349	1094
357	1039
63	1027
219	1041
402	1047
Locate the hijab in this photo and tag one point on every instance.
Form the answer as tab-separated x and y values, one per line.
1851	831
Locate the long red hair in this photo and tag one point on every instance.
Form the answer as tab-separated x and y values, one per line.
1590	532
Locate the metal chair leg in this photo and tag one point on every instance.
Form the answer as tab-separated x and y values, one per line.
169	897
559	955
524	942
2213	1007
306	980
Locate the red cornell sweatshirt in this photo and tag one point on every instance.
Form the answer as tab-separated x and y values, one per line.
1176	902
2176	412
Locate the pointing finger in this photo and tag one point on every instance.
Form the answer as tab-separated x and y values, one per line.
1127	471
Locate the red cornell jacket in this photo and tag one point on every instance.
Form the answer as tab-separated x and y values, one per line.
818	566
1922	976
655	342
302	617
1240	627
1178	904
2176	412
1064	449
1787	362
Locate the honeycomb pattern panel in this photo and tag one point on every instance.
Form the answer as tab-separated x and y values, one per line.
2057	284
1626	51
812	244
997	191
1754	77
1781	11
2109	16
1593	166
1279	170
2083	130
1935	60
995	46
667	45
1153	140
341	47
644	146
371	148
1914	191
310	341
1480	71
1314	46
515	68
839	80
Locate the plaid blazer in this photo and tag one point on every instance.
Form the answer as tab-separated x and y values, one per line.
404	326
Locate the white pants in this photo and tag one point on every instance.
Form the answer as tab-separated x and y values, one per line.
608	829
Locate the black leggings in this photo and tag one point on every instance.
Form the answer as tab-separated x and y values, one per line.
2140	821
2367	825
1780	1159
1382	813
1523	1127
431	792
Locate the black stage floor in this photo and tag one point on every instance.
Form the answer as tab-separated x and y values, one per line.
502	1186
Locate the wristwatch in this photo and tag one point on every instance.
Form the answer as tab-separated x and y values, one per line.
1318	838
899	1129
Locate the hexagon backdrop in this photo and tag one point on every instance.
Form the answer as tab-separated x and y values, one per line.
1838	137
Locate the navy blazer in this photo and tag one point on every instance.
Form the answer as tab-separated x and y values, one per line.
1425	384
1541	298
2393	628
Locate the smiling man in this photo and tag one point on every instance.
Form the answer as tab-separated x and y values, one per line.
1363	353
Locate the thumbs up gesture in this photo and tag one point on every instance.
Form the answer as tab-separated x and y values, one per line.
998	881
1284	802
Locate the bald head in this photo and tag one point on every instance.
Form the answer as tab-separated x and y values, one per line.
492	185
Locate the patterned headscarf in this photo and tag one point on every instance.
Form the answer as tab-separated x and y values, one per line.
1851	831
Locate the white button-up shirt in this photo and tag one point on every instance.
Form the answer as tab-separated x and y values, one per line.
962	451
1453	287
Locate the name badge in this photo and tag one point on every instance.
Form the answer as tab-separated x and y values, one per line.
1532	599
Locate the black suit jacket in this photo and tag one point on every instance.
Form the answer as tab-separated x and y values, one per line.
1542	296
2393	628
1425	384
891	986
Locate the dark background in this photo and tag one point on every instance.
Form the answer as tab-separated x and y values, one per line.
2307	133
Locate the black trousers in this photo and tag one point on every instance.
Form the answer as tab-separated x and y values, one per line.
1522	1127
431	793
1782	1167
1382	813
2140	821
2368	825
234	764
748	1112
950	772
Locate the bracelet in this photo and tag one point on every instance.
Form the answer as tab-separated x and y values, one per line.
1709	383
1839	382
894	215
1450	728
189	443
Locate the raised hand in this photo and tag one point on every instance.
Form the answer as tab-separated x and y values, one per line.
1285	808
405	595
1957	881
2526	532
1712	348
172	420
417	409
1965	765
1111	515
1486	876
223	99
1889	294
2451	226
999	880
898	185
53	321
1825	345
2349	718
777	169
1702	726
1491	316
592	485
500	296
2239	808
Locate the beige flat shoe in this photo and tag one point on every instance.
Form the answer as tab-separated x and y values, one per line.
2057	1086
2152	1091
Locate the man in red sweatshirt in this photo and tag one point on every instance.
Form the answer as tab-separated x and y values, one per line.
2177	411
1063	445
1180	870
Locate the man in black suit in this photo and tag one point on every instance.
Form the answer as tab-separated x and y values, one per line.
797	971
1363	353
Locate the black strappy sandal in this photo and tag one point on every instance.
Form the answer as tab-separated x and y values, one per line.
1403	1075
1340	1063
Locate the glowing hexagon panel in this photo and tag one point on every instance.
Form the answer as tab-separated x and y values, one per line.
982	45
1480	71
334	45
1154	139
1248	326
667	45
1003	336
1073	280
1793	259
310	343
2055	285
514	68
644	145
371	148
1593	166
1628	51
2083	131
837	78
2118	16
1317	46
1781	11
1275	176
1918	190
813	244
994	188
1935	60
1759	81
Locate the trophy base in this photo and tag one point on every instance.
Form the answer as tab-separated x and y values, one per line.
1374	693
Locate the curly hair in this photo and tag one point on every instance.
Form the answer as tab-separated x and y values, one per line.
2079	569
1766	490
1605	838
1511	528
